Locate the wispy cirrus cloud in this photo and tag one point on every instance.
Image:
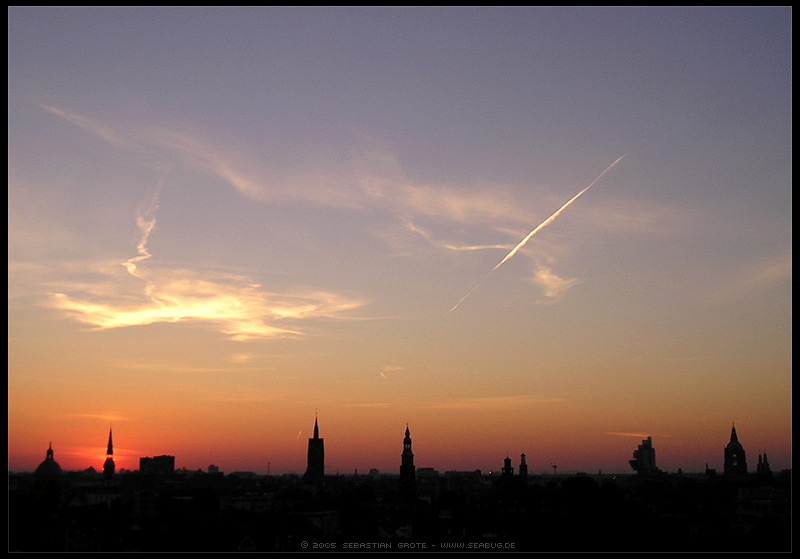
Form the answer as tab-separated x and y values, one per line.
370	179
212	160
489	403
371	405
104	417
478	205
762	275
106	133
553	286
388	369
166	367
634	435
240	308
422	232
538	228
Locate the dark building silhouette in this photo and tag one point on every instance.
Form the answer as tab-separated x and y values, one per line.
315	470
196	511
508	469
108	465
644	458
49	480
49	468
407	470
763	469
735	459
157	465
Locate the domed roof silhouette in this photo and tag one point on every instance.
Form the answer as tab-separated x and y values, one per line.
49	467
734	443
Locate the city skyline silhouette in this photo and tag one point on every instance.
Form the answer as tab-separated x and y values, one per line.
643	461
161	508
558	232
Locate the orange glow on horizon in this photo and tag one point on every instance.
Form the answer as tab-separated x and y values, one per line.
349	448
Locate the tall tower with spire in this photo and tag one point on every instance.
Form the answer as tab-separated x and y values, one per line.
407	468
315	470
523	466
735	459
508	469
108	465
763	469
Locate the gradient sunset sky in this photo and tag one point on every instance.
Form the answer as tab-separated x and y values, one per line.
225	222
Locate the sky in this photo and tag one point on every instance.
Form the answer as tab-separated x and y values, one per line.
539	230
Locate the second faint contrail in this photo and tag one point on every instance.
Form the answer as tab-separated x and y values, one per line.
544	224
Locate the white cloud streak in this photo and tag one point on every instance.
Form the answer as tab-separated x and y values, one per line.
371	179
552	218
538	228
238	307
449	246
390	369
104	132
553	285
634	435
760	276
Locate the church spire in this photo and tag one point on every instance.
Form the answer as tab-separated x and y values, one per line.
407	468
315	471
735	463
110	450
108	466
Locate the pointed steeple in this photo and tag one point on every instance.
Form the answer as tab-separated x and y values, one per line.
108	466
110	450
315	471
735	463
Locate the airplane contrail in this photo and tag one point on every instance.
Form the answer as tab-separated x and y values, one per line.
541	226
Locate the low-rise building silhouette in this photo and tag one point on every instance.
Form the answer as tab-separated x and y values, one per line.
163	465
